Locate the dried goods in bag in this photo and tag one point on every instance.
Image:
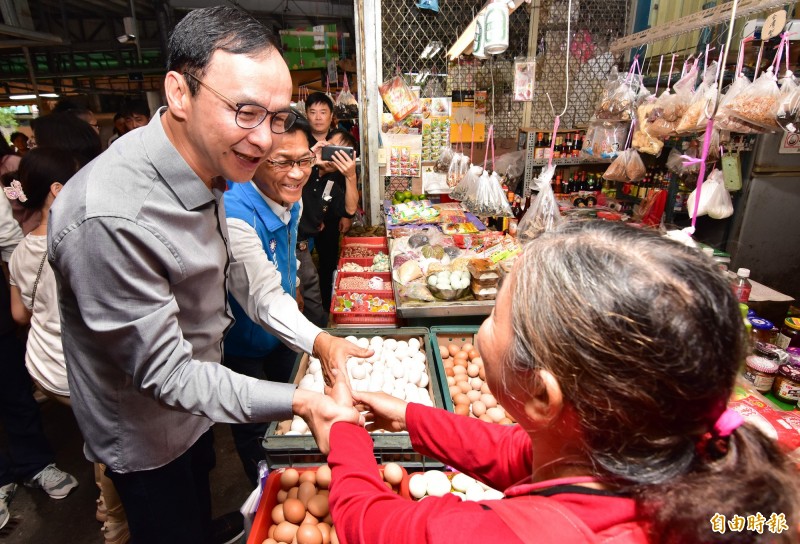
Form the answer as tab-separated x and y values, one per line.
345	106
704	100
758	103
543	214
725	120
457	170
398	97
604	140
444	161
670	107
617	100
642	141
788	114
467	185
616	170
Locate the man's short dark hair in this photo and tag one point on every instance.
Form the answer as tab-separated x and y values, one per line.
203	31
346	137
15	135
300	125
319	98
135	107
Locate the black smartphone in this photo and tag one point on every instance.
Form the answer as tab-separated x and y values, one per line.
329	150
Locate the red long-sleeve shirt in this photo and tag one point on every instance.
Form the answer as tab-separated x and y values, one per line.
365	511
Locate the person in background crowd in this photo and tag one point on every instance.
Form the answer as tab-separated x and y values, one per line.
336	221
139	245
20	142
29	458
262	217
319	111
137	114
119	127
34	301
70	132
623	433
9	161
68	106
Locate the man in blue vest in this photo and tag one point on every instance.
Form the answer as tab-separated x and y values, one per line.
262	218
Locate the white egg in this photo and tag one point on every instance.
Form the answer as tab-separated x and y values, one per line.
292	433
433	280
299	425
306	381
443	276
420	356
483	486
358	372
423	380
407	362
414	376
474	492
375	357
398	370
376	342
400	382
314	365
401	351
425	397
399	393
459	495
319	387
461	481
351	363
492	495
375	382
387	387
411	395
437	483
362	343
402	344
352	339
318	377
417	485
445	285
390	344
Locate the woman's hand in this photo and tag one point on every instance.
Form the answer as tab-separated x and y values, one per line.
345	164
386	412
320	412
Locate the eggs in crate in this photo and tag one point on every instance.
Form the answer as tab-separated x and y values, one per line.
397	367
435	483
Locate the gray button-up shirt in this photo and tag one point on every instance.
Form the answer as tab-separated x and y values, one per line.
139	246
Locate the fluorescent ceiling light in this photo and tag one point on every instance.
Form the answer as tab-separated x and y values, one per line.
32	96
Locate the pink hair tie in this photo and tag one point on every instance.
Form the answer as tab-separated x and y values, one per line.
727	422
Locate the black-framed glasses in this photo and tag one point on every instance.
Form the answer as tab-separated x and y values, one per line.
305	162
249	116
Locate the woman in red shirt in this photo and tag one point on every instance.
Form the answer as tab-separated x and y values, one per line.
615	350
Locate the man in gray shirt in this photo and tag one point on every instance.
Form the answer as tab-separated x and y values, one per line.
139	244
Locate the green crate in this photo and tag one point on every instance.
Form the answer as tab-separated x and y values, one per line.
299	451
449	335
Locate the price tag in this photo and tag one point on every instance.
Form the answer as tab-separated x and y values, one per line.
773	25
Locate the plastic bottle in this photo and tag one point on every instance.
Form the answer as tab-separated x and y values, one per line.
742	287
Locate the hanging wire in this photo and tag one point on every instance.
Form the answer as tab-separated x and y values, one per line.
566	88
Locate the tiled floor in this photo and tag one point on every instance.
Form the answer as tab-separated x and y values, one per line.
38	519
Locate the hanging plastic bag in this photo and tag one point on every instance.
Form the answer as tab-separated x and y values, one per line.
302	94
714	198
467	185
444	161
604	141
670	107
543	215
758	103
432	5
642	141
704	100
345	106
398	98
788	114
724	119
616	170
616	102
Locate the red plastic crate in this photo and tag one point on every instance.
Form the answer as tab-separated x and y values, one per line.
376	241
363	318
269	499
363	261
386	292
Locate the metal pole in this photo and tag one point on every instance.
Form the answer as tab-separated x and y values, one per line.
138	36
369	62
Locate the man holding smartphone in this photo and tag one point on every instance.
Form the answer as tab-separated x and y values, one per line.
330	195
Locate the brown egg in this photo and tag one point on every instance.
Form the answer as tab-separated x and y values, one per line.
292	494
454	390
489	400
309	534
277	514
309	519
328	519
461	398
325	529
270	541
473	370
474	354
334	536
482	372
271	532
453	349
476	383
464	386
282	495
449	371
448	363
388	485
445	351
393	473
461	355
461	409
323	492
324	477
461	362
308	476
307	490
289	478
478	361
318	506
458	370
285	532
478	408
473	395
485	388
486	418
294	511
496	414
451	380
506	421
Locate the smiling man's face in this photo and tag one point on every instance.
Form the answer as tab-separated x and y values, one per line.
283	183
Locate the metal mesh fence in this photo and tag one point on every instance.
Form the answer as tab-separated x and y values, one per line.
407	30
